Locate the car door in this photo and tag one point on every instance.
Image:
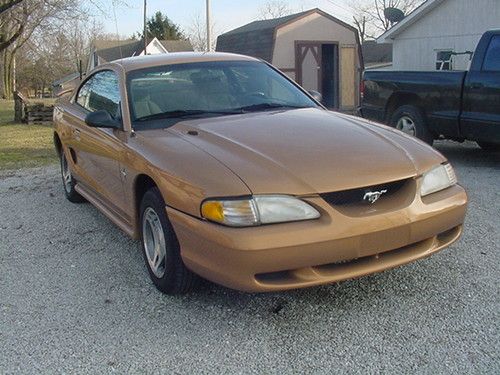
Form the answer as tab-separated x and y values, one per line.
99	151
481	106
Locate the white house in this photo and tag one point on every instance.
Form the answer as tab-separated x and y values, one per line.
439	33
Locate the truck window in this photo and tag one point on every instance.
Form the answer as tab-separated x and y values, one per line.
492	59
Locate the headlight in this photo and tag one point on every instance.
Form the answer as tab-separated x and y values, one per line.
260	209
438	178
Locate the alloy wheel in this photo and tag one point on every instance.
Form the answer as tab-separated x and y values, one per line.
153	239
66	173
407	125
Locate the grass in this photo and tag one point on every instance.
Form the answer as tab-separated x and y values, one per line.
21	145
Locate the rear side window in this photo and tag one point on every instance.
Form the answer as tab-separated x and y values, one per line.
101	92
492	58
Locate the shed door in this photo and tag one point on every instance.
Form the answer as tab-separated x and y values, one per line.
308	63
348	77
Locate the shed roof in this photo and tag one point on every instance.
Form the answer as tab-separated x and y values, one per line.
257	38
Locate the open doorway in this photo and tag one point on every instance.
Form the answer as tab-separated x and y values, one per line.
330	75
318	69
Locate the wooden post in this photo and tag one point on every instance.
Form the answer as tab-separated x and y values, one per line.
18	107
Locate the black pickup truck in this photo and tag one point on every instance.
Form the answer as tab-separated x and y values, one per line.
455	105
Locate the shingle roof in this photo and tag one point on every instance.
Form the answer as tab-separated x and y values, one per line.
257	38
177	45
374	52
254	39
110	50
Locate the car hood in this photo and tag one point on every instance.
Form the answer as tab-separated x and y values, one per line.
309	150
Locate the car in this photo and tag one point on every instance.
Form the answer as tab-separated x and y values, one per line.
227	170
455	105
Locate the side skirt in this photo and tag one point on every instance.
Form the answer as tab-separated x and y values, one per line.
111	214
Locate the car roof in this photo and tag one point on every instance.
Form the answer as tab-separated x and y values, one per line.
140	62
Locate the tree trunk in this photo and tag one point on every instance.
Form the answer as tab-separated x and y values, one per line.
7	75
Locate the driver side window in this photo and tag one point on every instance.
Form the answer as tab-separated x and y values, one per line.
101	92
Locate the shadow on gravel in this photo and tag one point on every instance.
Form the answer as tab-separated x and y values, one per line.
468	154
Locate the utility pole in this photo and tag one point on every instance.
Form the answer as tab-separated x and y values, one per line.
145	30
209	36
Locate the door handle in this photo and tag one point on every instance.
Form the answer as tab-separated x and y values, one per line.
477	85
76	134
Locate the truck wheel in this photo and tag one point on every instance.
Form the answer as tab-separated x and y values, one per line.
489	146
410	120
69	182
161	249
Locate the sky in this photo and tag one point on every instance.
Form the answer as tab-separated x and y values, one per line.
227	14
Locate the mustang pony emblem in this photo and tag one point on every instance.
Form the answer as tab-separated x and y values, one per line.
373	196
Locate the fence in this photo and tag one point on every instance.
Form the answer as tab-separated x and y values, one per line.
32	113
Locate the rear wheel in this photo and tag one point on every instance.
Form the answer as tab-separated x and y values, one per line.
410	120
489	146
161	249
68	181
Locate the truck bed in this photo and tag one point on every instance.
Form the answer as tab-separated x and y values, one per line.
440	92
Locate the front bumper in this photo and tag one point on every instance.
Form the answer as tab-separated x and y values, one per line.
337	246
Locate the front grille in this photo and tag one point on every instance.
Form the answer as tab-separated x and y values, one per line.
355	196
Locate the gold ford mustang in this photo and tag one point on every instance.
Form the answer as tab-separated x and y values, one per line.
226	169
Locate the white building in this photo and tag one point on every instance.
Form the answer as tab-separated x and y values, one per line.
429	37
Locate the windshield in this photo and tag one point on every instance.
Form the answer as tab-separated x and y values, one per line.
208	89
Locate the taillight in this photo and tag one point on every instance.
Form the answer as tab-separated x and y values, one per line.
362	89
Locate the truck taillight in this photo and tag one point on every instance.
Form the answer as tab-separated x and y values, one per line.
362	89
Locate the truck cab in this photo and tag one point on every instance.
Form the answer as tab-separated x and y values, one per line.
455	105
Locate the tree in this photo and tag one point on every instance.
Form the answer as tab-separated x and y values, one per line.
197	34
26	21
161	27
369	15
274	9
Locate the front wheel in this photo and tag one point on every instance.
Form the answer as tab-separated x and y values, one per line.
161	249
410	120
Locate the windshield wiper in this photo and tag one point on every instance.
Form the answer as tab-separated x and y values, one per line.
184	113
264	106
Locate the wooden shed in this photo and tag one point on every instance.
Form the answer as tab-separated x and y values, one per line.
317	50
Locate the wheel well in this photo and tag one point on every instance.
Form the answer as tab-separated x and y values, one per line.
142	184
399	99
57	144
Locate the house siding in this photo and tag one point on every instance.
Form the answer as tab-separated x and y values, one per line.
453	25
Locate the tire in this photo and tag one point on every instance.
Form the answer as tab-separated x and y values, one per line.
410	120
68	181
489	146
158	240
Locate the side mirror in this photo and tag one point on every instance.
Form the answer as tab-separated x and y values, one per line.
102	119
316	95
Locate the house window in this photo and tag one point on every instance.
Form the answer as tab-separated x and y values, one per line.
444	60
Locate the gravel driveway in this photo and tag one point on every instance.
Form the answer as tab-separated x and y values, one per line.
75	297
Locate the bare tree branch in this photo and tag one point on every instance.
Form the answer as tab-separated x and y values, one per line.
274	9
369	17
